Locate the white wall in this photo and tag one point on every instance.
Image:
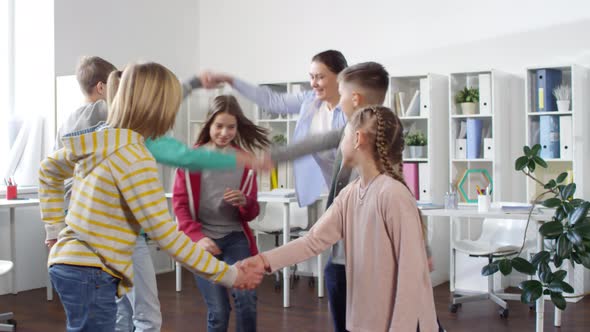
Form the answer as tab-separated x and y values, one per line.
268	40
124	31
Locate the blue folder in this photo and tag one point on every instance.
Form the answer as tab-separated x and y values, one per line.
547	80
474	127
549	136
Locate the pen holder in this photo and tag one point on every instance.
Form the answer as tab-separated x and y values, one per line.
11	192
483	203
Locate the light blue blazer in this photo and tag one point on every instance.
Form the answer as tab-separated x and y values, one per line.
312	173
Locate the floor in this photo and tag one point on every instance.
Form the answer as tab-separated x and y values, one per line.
185	311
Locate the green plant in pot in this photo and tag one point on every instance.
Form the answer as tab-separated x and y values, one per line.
416	141
468	98
279	139
567	237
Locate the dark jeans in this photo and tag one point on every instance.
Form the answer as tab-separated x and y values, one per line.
234	247
335	275
88	296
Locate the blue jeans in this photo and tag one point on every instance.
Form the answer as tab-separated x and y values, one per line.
87	295
335	275
234	247
139	310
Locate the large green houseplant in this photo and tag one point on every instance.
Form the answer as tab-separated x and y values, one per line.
568	233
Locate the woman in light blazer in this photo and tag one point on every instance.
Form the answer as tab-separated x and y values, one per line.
318	111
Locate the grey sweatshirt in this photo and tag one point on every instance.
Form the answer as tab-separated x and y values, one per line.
341	176
90	115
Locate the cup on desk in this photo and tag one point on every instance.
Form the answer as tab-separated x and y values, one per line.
451	200
483	203
11	192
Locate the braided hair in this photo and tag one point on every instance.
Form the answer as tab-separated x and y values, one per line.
386	130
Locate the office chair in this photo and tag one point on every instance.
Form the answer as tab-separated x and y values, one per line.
499	238
5	267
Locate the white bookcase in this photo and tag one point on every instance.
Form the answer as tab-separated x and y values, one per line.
430	117
498	108
280	124
500	100
573	138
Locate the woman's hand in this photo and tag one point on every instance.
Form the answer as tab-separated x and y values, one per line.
235	197
209	245
211	80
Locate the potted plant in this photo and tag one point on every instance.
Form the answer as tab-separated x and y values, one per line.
568	234
417	141
468	99
562	93
279	139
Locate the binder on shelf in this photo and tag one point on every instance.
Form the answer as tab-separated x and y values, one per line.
424	98
534	132
461	148
488	148
474	127
485	94
565	137
549	136
547	80
411	174
424	182
282	175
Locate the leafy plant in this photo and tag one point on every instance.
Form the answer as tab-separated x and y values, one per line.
568	232
416	138
279	139
562	92
467	95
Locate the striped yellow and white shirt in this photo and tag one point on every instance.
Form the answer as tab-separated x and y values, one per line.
116	193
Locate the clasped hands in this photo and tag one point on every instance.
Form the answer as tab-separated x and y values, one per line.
250	272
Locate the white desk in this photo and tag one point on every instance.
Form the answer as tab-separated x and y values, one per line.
538	218
12	205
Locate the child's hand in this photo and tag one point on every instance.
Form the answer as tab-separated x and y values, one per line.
250	273
209	245
234	197
50	243
430	264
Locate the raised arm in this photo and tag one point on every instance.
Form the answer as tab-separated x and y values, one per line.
189	85
264	97
54	170
309	145
169	151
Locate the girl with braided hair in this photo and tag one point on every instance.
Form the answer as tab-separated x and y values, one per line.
388	281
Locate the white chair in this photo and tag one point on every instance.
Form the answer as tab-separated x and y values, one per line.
5	267
499	238
270	222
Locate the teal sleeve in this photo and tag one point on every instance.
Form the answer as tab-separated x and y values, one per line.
170	151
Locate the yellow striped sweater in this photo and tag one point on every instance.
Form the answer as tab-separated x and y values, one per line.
116	192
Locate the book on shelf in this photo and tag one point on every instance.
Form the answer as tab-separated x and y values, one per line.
549	136
547	80
411	175
414	105
474	138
